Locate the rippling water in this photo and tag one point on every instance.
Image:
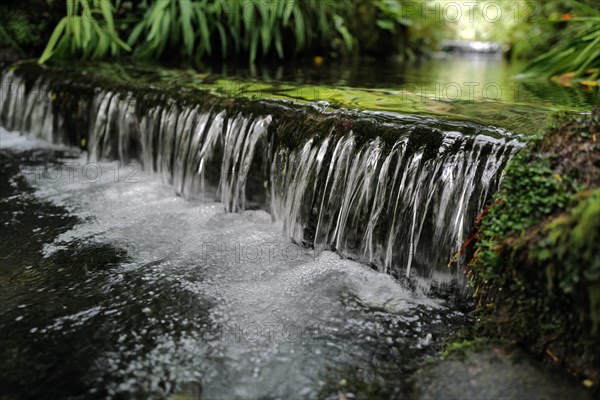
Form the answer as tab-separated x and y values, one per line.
139	292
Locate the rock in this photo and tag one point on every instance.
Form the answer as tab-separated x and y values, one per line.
495	373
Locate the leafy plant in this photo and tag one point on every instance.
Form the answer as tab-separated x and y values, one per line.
5	37
19	31
246	26
578	50
390	13
196	29
82	34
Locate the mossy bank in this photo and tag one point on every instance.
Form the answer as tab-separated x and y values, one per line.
536	265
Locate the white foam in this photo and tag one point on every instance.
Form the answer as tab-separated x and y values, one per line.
18	141
280	322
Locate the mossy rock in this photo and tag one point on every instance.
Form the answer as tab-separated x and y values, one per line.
536	268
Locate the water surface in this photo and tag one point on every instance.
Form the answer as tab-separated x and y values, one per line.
482	88
138	292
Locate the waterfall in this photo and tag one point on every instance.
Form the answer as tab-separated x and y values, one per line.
398	192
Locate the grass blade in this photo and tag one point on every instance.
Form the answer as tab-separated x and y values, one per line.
48	51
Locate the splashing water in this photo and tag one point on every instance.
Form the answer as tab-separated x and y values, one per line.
211	301
397	192
206	302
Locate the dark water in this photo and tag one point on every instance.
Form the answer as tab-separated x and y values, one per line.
61	311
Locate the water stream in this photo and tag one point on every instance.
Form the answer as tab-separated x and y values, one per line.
149	294
170	240
397	192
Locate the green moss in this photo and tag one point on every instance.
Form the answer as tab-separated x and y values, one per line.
349	382
570	255
460	349
536	268
530	191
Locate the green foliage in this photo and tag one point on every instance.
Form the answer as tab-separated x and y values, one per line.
570	253
197	29
248	26
390	14
530	37
6	39
425	31
578	49
17	31
578	52
529	191
87	31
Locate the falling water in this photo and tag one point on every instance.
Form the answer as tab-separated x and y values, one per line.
397	192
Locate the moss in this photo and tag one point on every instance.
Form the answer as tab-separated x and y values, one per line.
459	349
569	253
156	87
350	383
536	269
